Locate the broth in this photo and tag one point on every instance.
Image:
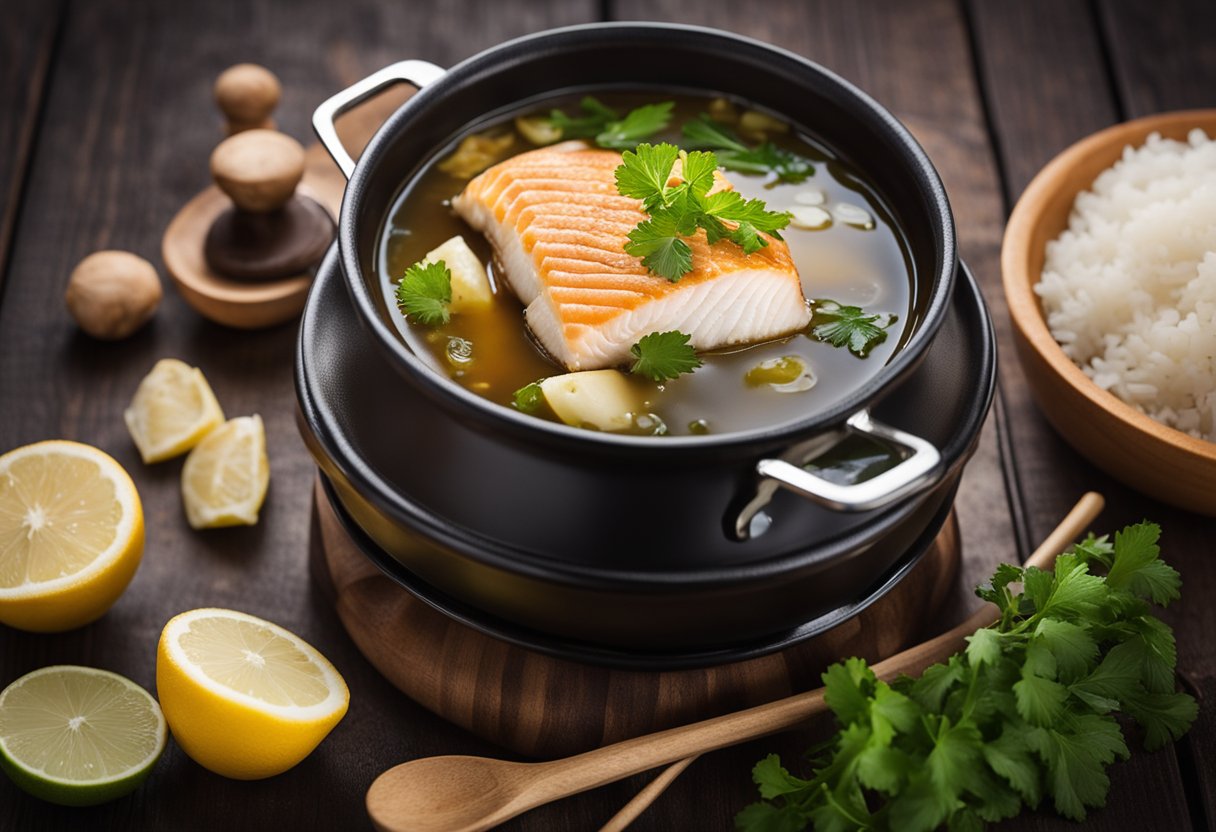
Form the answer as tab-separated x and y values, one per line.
870	268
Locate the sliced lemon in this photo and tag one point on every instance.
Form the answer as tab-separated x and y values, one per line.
244	697
172	411
78	736
71	535
225	477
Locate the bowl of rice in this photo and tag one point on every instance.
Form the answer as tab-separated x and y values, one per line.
1109	267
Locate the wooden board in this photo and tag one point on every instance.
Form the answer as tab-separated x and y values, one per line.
545	707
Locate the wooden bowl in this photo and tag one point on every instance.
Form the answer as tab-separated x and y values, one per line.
1158	460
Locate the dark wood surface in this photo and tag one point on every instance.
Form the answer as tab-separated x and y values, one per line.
105	127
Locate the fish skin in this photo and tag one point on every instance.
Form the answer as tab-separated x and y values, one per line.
559	227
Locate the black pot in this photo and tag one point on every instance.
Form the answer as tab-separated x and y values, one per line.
391	456
615	539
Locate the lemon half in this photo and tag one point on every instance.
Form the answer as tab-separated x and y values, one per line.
244	697
78	736
71	535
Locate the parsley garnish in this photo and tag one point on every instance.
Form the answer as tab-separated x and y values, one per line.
849	326
606	127
733	154
529	398
664	355
677	211
425	292
1025	713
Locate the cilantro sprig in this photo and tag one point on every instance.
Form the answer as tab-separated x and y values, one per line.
661	356
1024	715
849	326
765	159
425	293
678	211
607	128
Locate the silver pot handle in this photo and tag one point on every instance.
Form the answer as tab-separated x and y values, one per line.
919	469
417	73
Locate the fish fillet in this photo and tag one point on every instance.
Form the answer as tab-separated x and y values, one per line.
559	227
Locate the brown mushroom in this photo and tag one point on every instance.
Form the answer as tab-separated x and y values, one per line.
258	169
247	94
113	293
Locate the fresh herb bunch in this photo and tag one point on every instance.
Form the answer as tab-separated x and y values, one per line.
765	159
678	211
1027	712
425	293
664	355
849	326
606	128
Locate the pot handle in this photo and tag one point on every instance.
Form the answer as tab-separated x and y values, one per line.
417	73
919	468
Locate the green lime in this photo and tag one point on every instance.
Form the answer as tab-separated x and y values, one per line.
78	736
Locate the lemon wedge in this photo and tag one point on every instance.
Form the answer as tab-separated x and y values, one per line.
244	697
172	411
225	477
78	736
71	535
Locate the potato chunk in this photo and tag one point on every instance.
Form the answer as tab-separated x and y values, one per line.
470	285
604	399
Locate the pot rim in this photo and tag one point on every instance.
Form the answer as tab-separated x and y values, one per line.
523	427
340	457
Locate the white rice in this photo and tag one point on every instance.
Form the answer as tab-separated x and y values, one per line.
1130	287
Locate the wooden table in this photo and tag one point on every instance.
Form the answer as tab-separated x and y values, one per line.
106	127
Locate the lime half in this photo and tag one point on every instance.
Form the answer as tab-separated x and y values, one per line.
78	736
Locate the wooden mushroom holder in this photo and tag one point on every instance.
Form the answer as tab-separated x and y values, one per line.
243	250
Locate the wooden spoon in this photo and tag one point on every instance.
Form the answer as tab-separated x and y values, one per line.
466	794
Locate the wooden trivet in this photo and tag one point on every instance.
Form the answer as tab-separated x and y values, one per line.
541	706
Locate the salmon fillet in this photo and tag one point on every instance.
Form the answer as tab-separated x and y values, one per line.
559	228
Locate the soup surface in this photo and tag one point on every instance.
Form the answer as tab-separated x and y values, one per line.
857	258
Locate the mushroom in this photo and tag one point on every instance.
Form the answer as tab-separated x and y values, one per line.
247	94
113	293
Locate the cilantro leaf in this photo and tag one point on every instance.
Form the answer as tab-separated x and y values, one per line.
765	159
528	398
664	355
773	779
983	646
607	128
1040	701
1073	648
425	292
1075	756
639	124
1009	756
1163	716
698	170
849	326
1136	565
644	172
659	243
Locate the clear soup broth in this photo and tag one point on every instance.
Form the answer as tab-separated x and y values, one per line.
863	263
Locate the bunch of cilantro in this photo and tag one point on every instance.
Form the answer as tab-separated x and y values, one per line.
1026	714
678	211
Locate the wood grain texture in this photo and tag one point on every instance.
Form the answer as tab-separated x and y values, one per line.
27	42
